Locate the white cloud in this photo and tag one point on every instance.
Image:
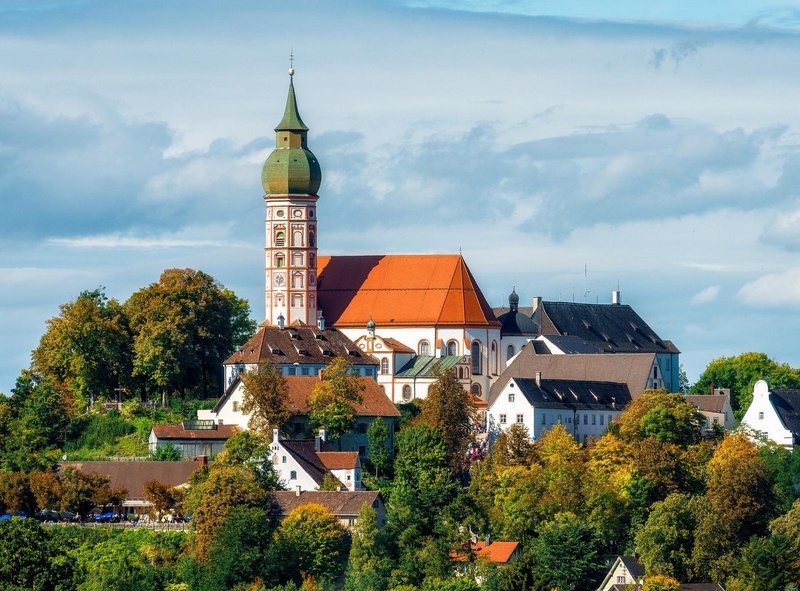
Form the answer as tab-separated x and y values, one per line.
705	296
774	289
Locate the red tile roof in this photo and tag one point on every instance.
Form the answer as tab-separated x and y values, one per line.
222	432
132	476
707	402
498	552
338	460
373	400
404	290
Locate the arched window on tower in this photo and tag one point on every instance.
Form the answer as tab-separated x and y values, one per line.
280	261
494	357
509	352
312	239
424	347
280	238
475	354
452	348
475	390
297	238
406	392
385	366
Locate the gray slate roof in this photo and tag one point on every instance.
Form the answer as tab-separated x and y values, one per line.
787	405
572	345
517	323
304	451
635	568
574	394
613	328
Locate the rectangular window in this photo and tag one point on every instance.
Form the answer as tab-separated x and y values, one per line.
362	427
235	406
620	579
585	419
609	419
348	478
761	415
292	371
594	419
559	418
502	419
544	419
520	419
292	475
511	397
283	459
304	371
602	418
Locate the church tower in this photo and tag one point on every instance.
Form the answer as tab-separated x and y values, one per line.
291	179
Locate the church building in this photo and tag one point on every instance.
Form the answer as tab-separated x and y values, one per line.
406	306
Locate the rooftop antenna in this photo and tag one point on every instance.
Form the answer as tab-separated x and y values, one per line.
291	62
586	291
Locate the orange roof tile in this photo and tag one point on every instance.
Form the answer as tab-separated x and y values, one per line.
338	460
405	290
374	401
498	552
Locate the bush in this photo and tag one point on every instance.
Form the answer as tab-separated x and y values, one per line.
166	453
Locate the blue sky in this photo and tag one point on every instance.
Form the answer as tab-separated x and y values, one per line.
655	144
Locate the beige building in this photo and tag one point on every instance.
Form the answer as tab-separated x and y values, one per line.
716	408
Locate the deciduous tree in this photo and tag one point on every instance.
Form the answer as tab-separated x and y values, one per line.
378	445
513	447
330	404
265	399
448	407
566	554
368	564
665	542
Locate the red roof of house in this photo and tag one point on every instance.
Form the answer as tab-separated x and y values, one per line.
338	460
498	552
405	290
373	400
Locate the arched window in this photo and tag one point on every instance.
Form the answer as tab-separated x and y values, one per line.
509	352
280	261
297	238
297	300
312	240
494	357
475	354
279	300
424	347
385	365
406	392
452	348
297	259
280	238
475	390
311	260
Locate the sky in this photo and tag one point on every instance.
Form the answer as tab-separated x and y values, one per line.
565	147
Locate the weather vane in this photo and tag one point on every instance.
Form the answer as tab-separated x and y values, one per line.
291	62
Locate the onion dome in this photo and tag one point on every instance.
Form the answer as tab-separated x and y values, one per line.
291	169
513	299
371	324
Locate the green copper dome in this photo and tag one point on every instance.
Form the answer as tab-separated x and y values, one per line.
291	168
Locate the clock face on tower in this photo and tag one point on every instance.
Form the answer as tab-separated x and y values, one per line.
280	279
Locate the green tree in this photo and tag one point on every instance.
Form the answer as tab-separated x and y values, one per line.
368	565
265	399
741	372
252	451
566	554
86	350
378	445
660	583
767	564
330	403
168	452
683	381
313	541
668	418
513	447
214	495
563	465
28	559
666	540
183	327
448	407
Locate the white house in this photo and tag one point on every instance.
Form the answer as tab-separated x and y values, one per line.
302	464
774	414
626	570
585	408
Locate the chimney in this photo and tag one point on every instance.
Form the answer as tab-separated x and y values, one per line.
538	378
616	297
317	443
320	321
322	434
281	321
275	435
535	303
297	490
487	542
202	460
711	388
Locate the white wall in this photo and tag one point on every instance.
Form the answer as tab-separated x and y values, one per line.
284	464
762	417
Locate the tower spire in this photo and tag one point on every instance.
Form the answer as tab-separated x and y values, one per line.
291	116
